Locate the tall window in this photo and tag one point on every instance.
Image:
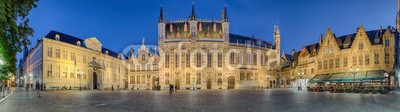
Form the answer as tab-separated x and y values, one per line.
254	59
387	42
330	63
49	51
137	79
319	65
49	70
325	64
177	61
337	63
376	58
167	61
138	68
232	59
132	80
240	58
345	62
366	59
187	78
209	60
65	54
219	60
84	75
57	72
188	60
72	56
360	60
143	57
248	58
354	60
57	53
386	58
261	59
219	81
148	67
64	75
360	46
198	78
198	59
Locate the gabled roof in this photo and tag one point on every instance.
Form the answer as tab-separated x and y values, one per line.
72	40
235	38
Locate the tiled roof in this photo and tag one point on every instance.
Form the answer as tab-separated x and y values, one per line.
235	38
72	40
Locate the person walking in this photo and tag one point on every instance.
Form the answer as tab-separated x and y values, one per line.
38	88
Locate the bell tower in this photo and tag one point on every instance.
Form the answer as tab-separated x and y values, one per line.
193	23
225	25
277	38
161	26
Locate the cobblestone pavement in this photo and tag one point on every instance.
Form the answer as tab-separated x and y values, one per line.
204	100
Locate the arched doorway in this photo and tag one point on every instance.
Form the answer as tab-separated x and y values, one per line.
177	84
231	82
208	83
94	80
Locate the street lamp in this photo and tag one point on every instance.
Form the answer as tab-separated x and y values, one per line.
354	74
80	80
300	74
193	82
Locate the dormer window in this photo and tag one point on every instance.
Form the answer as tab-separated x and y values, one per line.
57	37
106	52
360	46
78	43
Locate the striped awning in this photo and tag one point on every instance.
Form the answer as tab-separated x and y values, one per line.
376	75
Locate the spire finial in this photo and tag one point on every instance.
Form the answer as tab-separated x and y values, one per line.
193	14
225	14
161	18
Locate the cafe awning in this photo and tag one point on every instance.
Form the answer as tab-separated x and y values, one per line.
376	75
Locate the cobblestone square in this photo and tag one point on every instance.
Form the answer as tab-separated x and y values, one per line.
202	100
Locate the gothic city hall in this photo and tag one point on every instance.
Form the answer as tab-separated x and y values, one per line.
197	54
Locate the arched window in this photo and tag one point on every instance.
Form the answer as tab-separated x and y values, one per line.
78	43
209	59
167	61
232	60
198	60
57	37
240	58
219	81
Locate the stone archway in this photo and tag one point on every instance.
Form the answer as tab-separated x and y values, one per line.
231	82
177	84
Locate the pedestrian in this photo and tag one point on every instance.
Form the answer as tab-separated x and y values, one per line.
38	88
170	89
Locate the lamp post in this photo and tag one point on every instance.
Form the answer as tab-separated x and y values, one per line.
193	82
80	80
354	74
300	74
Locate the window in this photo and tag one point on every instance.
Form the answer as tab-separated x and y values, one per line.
65	54
187	78
232	59
79	57
49	70
198	78
319	65
177	61
143	57
242	76
198	60
386	58
209	60
248	58
49	51
255	59
387	42
167	61
337	63
132	80
84	75
84	58
354	60
312	70
376	58
219	81
325	64
240	58
64	75
155	67
366	59
261	59
148	67
345	62
72	56
219	60
360	46
166	78
249	76
57	53
138	68
137	79
188	60
330	63
360	60
71	73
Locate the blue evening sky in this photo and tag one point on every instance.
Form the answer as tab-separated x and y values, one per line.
120	23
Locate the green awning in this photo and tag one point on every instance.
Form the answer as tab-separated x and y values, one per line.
376	75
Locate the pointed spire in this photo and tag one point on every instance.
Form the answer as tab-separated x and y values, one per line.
193	15
320	39
161	18
225	15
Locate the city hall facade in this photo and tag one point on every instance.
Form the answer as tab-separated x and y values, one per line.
191	54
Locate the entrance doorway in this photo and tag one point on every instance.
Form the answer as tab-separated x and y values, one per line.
177	84
208	83
231	82
94	80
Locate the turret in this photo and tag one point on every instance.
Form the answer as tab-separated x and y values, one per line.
277	38
161	26
193	23
225	25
